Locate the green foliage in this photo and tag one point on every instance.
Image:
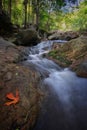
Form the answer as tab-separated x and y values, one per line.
60	56
53	53
50	17
75	20
17	15
82	17
66	21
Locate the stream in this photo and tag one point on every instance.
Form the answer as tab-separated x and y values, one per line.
65	106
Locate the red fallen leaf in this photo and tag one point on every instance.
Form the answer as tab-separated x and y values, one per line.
15	99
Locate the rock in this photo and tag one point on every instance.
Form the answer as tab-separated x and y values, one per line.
71	54
43	34
82	70
13	53
53	32
8	51
27	37
15	77
5	44
63	35
8	76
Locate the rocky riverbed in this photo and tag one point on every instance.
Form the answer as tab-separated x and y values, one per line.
17	80
20	93
72	54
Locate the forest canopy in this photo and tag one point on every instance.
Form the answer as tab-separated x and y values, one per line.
47	14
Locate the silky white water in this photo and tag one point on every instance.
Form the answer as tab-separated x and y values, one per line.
66	105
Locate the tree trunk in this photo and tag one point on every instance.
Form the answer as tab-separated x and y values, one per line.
25	15
78	2
25	6
0	5
29	12
37	13
37	17
3	4
33	12
9	8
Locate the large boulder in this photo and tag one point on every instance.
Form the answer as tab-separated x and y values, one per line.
19	86
59	35
72	54
27	37
8	51
82	69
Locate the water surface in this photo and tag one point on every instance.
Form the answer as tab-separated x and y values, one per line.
65	106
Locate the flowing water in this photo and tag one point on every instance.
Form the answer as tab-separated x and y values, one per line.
65	107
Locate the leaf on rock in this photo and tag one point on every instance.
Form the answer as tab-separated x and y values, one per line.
15	99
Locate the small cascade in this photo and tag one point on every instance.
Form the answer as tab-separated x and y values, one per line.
65	107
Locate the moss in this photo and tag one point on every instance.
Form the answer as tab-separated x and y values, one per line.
53	53
63	59
60	56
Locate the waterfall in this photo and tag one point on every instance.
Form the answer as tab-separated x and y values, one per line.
65	107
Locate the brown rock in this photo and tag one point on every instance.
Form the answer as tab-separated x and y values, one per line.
72	54
8	76
58	35
17	77
27	37
82	69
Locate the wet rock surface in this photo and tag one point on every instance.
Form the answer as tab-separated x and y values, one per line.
72	54
16	77
82	69
59	35
27	37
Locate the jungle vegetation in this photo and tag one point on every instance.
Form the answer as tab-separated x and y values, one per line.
46	14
